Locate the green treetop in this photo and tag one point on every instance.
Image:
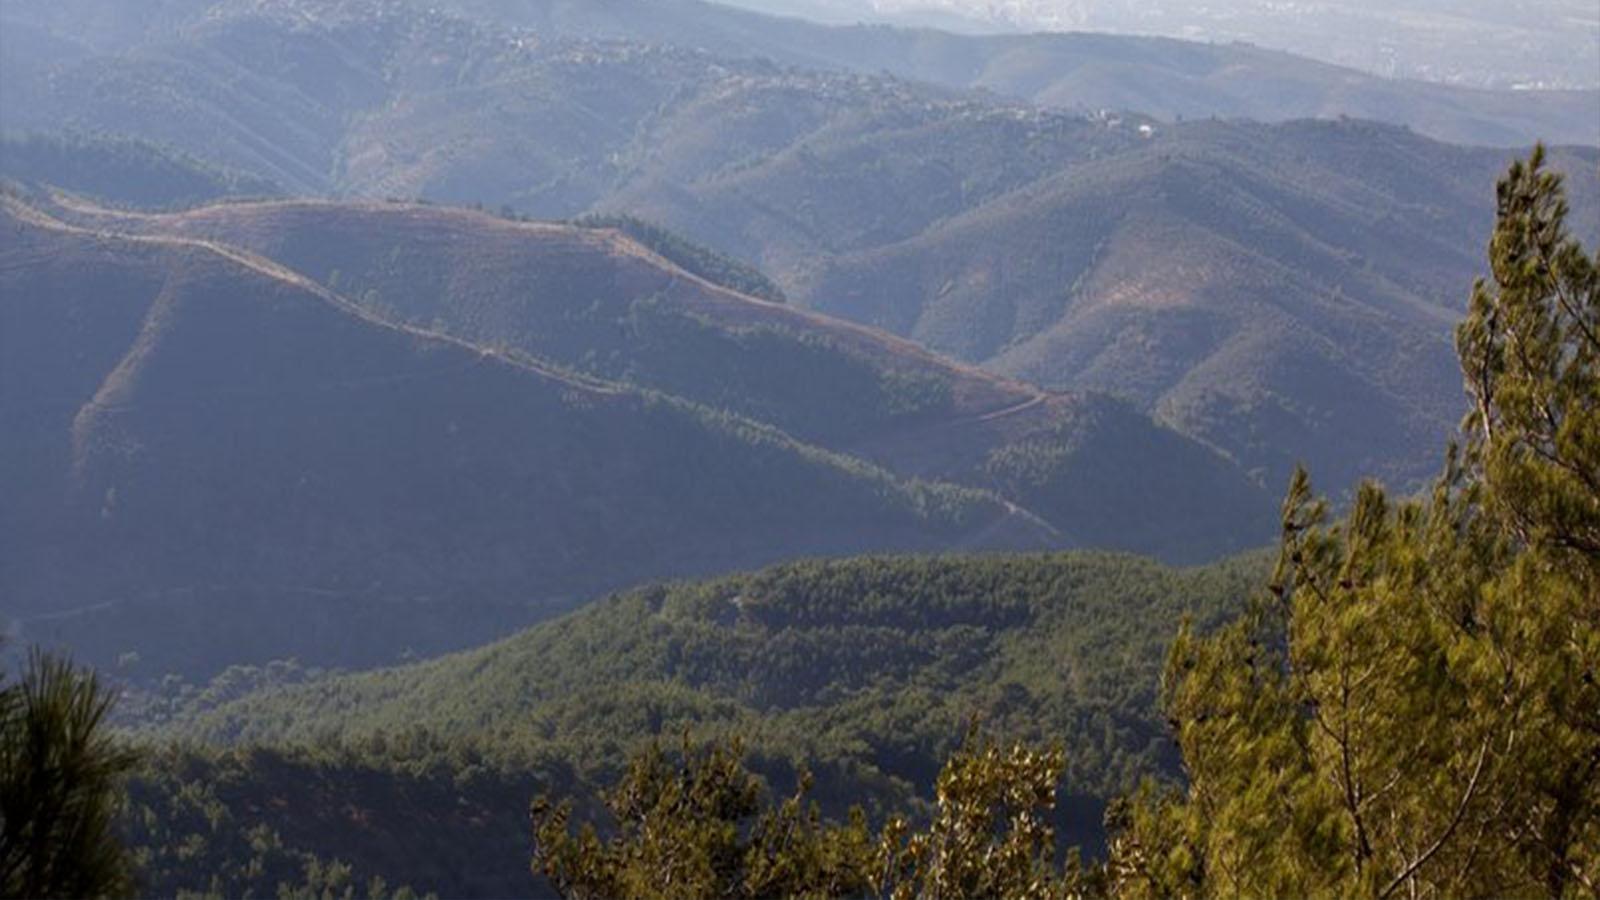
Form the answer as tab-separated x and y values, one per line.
1412	708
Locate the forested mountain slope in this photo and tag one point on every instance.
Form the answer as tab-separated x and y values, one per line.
867	671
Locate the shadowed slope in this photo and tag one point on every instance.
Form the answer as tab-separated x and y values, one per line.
596	301
201	432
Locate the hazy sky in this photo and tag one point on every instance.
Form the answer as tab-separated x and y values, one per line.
1485	42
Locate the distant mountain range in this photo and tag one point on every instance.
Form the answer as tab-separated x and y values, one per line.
278	81
1281	293
1164	77
1285	293
204	422
1477	42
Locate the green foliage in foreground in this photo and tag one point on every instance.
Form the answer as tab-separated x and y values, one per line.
60	772
989	836
682	831
360	820
1413	708
695	826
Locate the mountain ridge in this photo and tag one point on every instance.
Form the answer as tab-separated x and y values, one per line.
946	216
521	293
1092	70
231	360
92	476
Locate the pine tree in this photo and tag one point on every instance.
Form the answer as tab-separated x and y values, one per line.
990	836
60	772
1530	349
697	827
1412	707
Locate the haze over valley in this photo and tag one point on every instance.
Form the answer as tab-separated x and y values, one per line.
1541	44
